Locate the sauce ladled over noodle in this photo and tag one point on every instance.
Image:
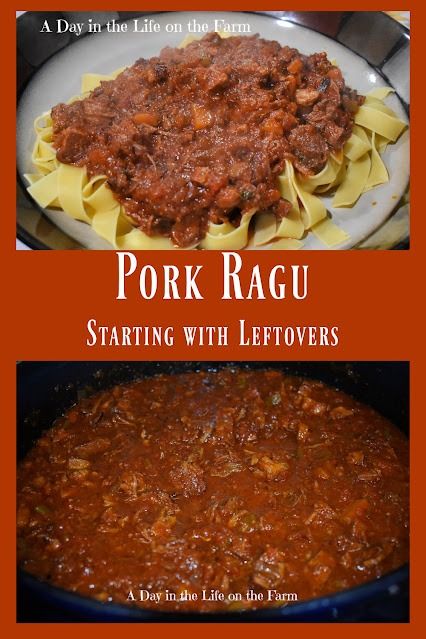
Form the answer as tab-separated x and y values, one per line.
200	134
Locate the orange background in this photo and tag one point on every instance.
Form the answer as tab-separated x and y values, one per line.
367	294
376	299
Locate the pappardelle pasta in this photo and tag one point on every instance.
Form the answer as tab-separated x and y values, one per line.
348	172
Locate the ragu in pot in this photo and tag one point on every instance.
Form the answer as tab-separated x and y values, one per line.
231	481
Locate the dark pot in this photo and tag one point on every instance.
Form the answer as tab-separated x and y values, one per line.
47	389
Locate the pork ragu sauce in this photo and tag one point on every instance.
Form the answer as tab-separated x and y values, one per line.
199	134
226	480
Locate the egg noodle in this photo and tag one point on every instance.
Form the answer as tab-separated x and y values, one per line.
357	168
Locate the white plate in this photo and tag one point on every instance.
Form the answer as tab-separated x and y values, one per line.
59	79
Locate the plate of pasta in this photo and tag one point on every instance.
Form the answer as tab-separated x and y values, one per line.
261	134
